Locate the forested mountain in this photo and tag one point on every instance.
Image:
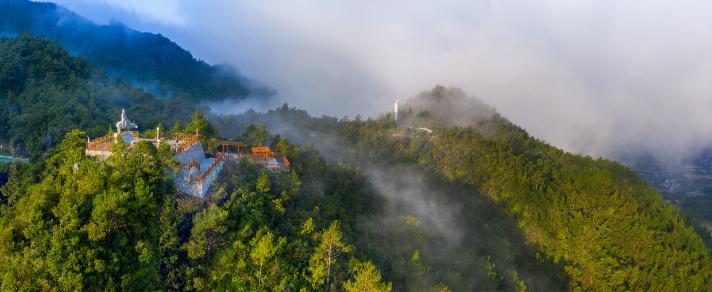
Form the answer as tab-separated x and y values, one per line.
470	203
150	60
604	226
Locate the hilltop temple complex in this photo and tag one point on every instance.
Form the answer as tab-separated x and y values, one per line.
197	172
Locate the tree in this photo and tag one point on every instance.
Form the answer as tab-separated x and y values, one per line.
91	223
200	124
264	248
366	278
177	127
262	185
207	233
169	245
330	247
283	146
260	135
256	134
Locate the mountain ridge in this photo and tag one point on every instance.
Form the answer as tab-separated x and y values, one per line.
153	61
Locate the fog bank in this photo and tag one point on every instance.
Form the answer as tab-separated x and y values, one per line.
601	77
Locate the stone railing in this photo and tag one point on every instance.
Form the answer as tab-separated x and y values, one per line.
188	141
210	169
179	136
226	156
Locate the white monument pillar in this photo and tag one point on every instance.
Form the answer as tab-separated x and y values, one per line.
395	111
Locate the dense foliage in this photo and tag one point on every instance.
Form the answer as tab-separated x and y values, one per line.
608	228
611	229
118	224
700	208
320	225
86	223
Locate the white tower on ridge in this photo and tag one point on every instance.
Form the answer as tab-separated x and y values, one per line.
395	111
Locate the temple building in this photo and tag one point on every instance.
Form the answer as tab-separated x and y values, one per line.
197	172
266	158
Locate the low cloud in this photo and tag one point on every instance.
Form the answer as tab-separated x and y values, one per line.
451	106
406	192
600	77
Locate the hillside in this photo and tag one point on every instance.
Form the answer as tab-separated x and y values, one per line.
476	204
118	223
687	186
606	227
150	60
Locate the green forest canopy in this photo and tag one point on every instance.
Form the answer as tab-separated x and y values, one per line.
604	225
118	224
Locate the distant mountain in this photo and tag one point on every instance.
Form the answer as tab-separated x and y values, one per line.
150	60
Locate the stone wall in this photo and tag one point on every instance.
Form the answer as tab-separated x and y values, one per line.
193	187
194	152
190	184
97	153
183	183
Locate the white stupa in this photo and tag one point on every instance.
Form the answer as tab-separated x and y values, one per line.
125	124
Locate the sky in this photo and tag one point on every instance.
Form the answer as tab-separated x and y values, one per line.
598	77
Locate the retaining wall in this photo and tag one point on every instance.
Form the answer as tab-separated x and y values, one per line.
194	152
